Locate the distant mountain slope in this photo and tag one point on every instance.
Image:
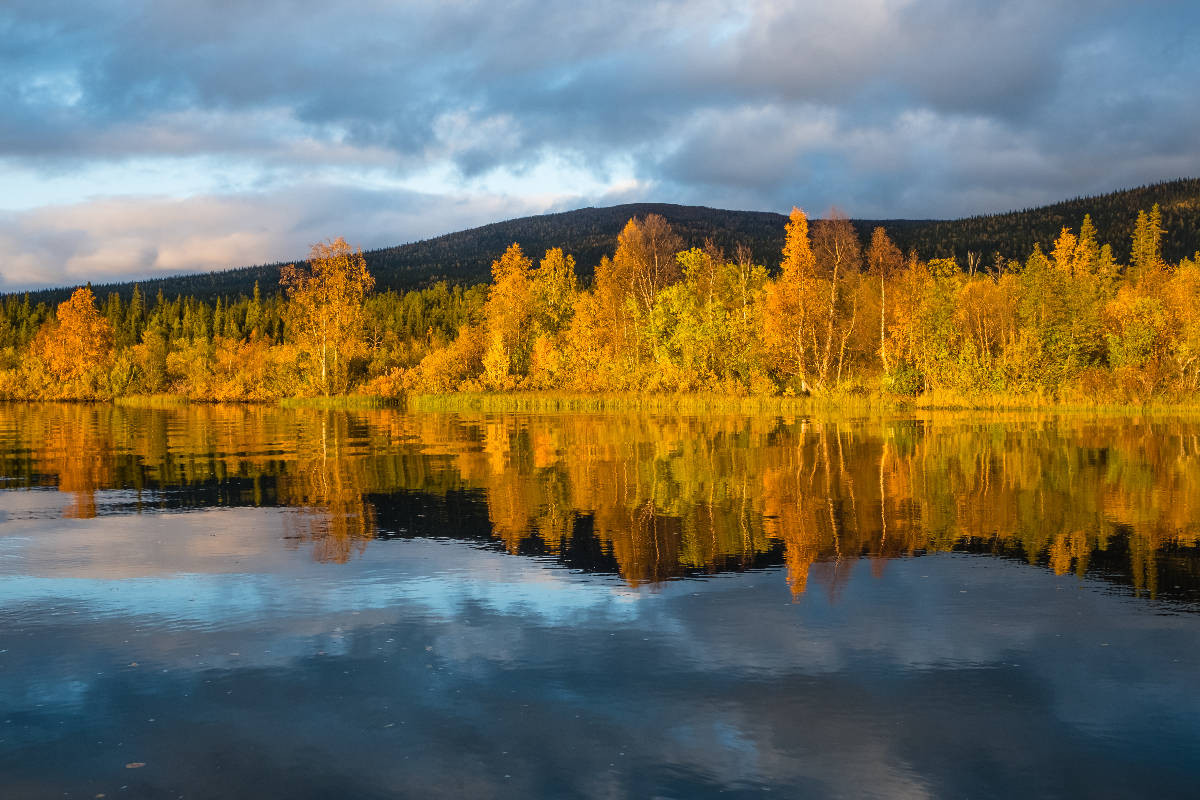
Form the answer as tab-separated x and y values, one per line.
589	233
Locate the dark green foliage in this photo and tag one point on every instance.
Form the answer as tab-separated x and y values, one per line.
1013	234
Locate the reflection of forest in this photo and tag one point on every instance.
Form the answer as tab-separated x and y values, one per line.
662	496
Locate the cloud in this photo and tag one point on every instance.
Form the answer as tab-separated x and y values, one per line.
885	107
108	238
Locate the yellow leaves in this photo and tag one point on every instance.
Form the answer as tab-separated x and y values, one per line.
77	345
945	269
1063	254
446	369
883	257
554	289
645	259
497	365
526	308
546	363
798	258
985	312
1146	246
725	327
326	302
513	266
509	307
791	302
230	370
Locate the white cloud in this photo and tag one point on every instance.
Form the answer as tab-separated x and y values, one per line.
146	236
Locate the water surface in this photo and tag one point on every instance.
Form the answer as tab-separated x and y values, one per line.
249	602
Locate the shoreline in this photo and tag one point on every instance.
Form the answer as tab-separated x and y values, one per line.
687	404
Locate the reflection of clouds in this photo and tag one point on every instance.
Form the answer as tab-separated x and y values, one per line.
223	571
140	545
226	567
486	665
31	503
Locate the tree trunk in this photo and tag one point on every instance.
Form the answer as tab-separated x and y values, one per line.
882	321
324	360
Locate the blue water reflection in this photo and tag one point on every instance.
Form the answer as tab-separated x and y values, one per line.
205	652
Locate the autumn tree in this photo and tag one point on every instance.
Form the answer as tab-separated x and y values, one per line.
1094	262
884	260
1146	249
742	288
553	287
326	308
789	331
592	343
839	261
687	327
645	259
933	339
1182	293
508	312
78	341
985	326
609	320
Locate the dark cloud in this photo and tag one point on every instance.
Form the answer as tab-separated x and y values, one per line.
922	108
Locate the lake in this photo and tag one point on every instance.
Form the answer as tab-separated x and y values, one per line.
246	602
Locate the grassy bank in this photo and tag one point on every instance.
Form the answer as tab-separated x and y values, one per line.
349	402
856	404
152	401
542	402
841	404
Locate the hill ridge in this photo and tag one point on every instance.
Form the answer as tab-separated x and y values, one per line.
588	233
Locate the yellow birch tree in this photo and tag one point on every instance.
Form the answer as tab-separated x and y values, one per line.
326	308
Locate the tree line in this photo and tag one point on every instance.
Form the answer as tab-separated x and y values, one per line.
837	315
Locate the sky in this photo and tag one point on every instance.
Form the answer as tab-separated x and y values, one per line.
147	137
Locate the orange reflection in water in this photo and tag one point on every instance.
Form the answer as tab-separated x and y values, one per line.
663	495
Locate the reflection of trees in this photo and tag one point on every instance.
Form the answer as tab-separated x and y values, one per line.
663	496
669	495
327	483
76	448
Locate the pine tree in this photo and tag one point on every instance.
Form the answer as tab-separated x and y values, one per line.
1146	251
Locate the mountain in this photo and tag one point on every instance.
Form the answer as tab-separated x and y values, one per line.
590	233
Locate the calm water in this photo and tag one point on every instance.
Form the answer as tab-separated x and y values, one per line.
232	602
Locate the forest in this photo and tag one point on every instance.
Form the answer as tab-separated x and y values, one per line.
837	314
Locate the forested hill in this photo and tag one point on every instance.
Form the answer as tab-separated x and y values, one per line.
590	233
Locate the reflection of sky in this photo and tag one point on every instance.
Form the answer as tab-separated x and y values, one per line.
437	666
207	570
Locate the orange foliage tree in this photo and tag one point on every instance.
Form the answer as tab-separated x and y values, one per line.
78	341
789	331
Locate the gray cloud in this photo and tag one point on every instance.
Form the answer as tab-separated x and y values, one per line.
107	238
887	108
